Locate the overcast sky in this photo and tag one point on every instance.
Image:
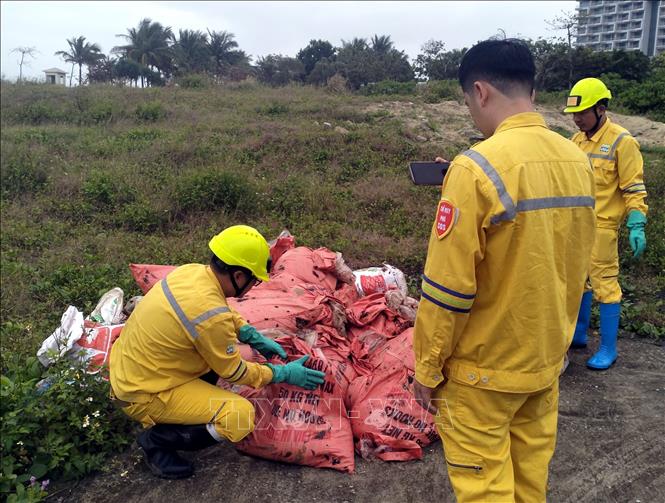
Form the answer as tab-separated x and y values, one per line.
267	27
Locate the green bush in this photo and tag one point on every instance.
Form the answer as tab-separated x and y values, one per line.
64	428
140	216
77	285
215	191
39	112
100	113
104	191
21	174
150	112
435	91
193	82
287	199
388	87
273	109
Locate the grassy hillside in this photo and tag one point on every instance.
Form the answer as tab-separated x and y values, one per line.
96	178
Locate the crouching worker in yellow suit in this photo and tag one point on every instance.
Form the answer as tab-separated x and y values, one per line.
180	338
620	192
507	260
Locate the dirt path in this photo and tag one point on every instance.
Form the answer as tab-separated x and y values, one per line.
449	123
611	448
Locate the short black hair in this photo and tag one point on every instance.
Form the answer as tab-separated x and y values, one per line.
506	64
222	267
605	102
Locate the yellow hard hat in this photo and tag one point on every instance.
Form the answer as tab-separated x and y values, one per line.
585	94
244	246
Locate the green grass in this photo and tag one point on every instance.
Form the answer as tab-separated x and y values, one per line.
96	178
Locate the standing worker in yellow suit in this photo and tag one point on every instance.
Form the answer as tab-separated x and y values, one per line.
507	259
180	338
620	191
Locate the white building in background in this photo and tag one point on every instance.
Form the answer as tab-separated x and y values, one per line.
56	76
631	25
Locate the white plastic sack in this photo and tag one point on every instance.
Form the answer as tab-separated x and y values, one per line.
379	280
109	308
62	340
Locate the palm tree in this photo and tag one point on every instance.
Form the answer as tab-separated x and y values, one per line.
223	51
148	45
355	45
382	44
190	51
80	53
24	51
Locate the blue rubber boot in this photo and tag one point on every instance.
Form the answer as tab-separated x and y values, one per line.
609	326
583	318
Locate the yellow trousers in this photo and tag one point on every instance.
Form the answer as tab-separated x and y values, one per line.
226	415
604	268
497	445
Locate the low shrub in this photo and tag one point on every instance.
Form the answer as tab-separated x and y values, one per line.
435	91
388	87
56	423
150	112
215	191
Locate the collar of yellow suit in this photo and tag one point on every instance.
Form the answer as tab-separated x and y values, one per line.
596	136
213	279
523	119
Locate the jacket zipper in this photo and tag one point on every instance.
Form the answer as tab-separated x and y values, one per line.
478	469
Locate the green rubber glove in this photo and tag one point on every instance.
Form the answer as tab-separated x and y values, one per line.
297	374
264	345
637	239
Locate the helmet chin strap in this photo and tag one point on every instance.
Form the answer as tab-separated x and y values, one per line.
598	117
595	127
238	291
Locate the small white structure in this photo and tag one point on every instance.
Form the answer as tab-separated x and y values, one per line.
56	76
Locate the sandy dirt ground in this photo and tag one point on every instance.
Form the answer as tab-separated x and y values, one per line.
449	122
610	448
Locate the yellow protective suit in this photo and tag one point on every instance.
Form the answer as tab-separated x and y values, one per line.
181	329
500	297
619	175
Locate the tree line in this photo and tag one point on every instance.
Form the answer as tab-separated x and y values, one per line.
154	55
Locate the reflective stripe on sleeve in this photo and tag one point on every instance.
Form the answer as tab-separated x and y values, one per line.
209	314
636	187
238	373
445	297
444	305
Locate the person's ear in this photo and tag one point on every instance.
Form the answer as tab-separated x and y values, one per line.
601	109
481	91
239	277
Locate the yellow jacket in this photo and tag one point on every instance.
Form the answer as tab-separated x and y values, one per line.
502	287
618	170
181	329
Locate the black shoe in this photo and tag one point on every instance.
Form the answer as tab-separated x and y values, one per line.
192	437
163	460
577	345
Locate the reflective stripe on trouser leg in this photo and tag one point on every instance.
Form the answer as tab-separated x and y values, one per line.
229	415
532	443
604	268
476	441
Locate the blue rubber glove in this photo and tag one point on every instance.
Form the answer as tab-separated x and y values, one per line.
264	345
635	223
297	374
